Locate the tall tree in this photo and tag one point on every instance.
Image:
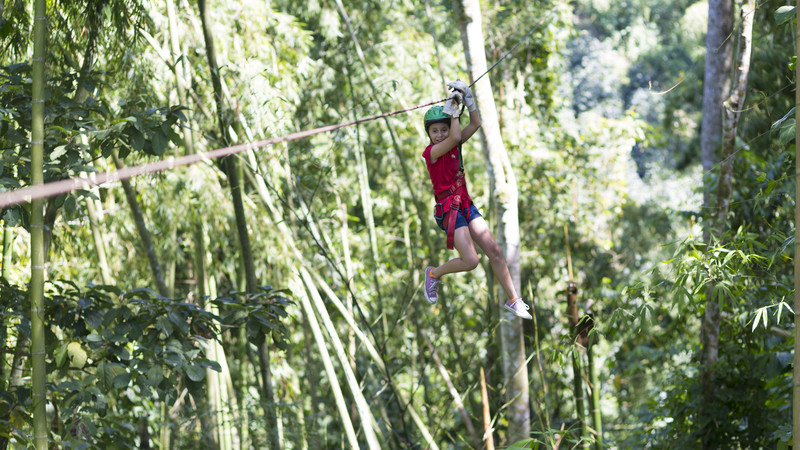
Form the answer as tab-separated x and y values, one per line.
503	185
144	233
716	84
232	171
38	367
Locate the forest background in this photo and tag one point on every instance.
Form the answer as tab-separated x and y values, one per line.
273	299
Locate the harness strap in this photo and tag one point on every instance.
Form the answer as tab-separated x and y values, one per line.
456	190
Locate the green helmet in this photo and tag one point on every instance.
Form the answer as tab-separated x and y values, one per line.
435	115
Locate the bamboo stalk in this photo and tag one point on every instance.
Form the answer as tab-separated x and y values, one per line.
8	234
459	404
395	145
577	377
290	246
372	351
364	412
488	435
796	359
597	418
99	243
333	381
178	70
38	361
232	169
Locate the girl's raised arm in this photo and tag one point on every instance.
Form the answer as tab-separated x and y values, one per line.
474	124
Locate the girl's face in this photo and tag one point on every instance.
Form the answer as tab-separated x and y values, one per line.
438	132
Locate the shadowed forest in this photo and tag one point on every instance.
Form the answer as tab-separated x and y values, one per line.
635	164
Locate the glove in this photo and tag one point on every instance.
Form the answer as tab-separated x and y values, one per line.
452	103
462	87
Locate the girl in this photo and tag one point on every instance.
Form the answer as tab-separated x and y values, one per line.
454	211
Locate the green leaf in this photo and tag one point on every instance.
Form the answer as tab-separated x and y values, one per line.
728	258
107	374
787	132
57	152
784	14
525	443
194	373
759	312
179	321
155	375
173	358
61	355
77	355
122	380
163	325
70	205
208	364
159	142
775	126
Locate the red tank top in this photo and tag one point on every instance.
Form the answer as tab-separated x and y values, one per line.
443	173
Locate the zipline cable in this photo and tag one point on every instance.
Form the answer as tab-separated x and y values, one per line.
64	186
53	188
514	47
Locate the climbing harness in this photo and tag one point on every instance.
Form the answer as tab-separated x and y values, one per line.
457	192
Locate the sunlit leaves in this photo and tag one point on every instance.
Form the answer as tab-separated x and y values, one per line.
761	317
784	14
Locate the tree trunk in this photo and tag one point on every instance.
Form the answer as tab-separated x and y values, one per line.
503	185
715	84
719	49
144	233
38	361
730	116
232	169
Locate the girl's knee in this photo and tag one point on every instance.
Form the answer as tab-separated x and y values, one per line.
471	261
494	254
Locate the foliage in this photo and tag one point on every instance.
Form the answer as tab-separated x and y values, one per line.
116	354
600	112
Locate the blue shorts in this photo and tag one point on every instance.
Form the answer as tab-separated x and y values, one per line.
461	221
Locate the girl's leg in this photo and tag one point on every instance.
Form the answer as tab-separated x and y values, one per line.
482	235
468	259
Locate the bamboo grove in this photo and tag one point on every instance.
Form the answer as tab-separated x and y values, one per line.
635	164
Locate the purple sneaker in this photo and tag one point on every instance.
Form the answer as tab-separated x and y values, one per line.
431	286
519	308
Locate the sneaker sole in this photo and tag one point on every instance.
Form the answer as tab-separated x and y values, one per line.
512	311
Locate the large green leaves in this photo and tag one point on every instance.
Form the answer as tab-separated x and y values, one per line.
120	350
